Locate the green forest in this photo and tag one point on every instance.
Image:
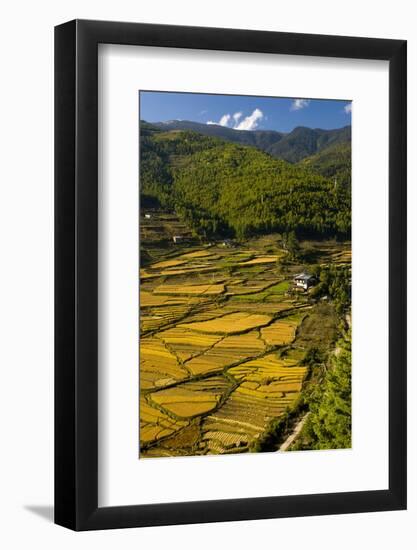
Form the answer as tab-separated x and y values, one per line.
225	189
329	424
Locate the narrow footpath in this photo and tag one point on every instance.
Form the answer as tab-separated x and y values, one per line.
296	431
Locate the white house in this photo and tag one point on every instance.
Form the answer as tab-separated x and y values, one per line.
177	238
148	216
304	281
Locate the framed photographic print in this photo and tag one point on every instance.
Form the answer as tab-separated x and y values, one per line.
230	275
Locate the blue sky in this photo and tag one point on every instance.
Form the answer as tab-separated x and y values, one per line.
245	112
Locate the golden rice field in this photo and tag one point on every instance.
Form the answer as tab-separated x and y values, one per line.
158	366
149	299
227	351
230	324
280	332
218	350
187	344
168	263
191	399
197	254
187	290
154	424
261	260
152	319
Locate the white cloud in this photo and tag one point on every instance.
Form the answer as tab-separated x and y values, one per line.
232	121
250	122
298	104
224	121
348	107
237	116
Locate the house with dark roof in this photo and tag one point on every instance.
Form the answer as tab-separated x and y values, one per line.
304	281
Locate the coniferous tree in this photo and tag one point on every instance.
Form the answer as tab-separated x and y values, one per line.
329	423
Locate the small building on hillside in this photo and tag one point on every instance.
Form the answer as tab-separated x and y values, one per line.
229	243
178	239
304	281
148	216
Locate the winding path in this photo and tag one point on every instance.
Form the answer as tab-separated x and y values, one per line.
294	434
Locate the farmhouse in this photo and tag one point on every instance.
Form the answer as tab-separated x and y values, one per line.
229	243
148	216
304	281
178	239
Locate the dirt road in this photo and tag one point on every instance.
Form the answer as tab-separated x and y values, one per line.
291	438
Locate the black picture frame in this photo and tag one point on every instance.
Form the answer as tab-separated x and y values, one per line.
76	272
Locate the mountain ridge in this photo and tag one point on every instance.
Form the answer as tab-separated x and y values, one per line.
292	146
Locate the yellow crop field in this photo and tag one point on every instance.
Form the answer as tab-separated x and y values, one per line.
186	343
158	366
186	400
144	274
248	344
226	440
155	425
160	316
190	289
222	342
268	366
147	299
246	411
185	270
230	323
343	257
167	263
263	307
196	254
280	332
261	260
227	351
272	389
210	362
187	409
250	287
168	272
150	322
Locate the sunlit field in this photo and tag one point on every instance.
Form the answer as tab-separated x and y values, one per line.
222	345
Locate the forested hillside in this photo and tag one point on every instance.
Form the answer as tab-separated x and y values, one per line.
221	188
293	146
334	162
329	425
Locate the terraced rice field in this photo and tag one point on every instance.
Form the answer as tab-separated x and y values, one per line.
159	366
261	260
280	332
192	398
219	356
227	351
230	324
187	290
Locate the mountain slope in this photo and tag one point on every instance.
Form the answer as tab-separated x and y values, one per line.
334	162
294	146
221	188
303	142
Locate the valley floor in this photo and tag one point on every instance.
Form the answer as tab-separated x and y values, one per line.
223	341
